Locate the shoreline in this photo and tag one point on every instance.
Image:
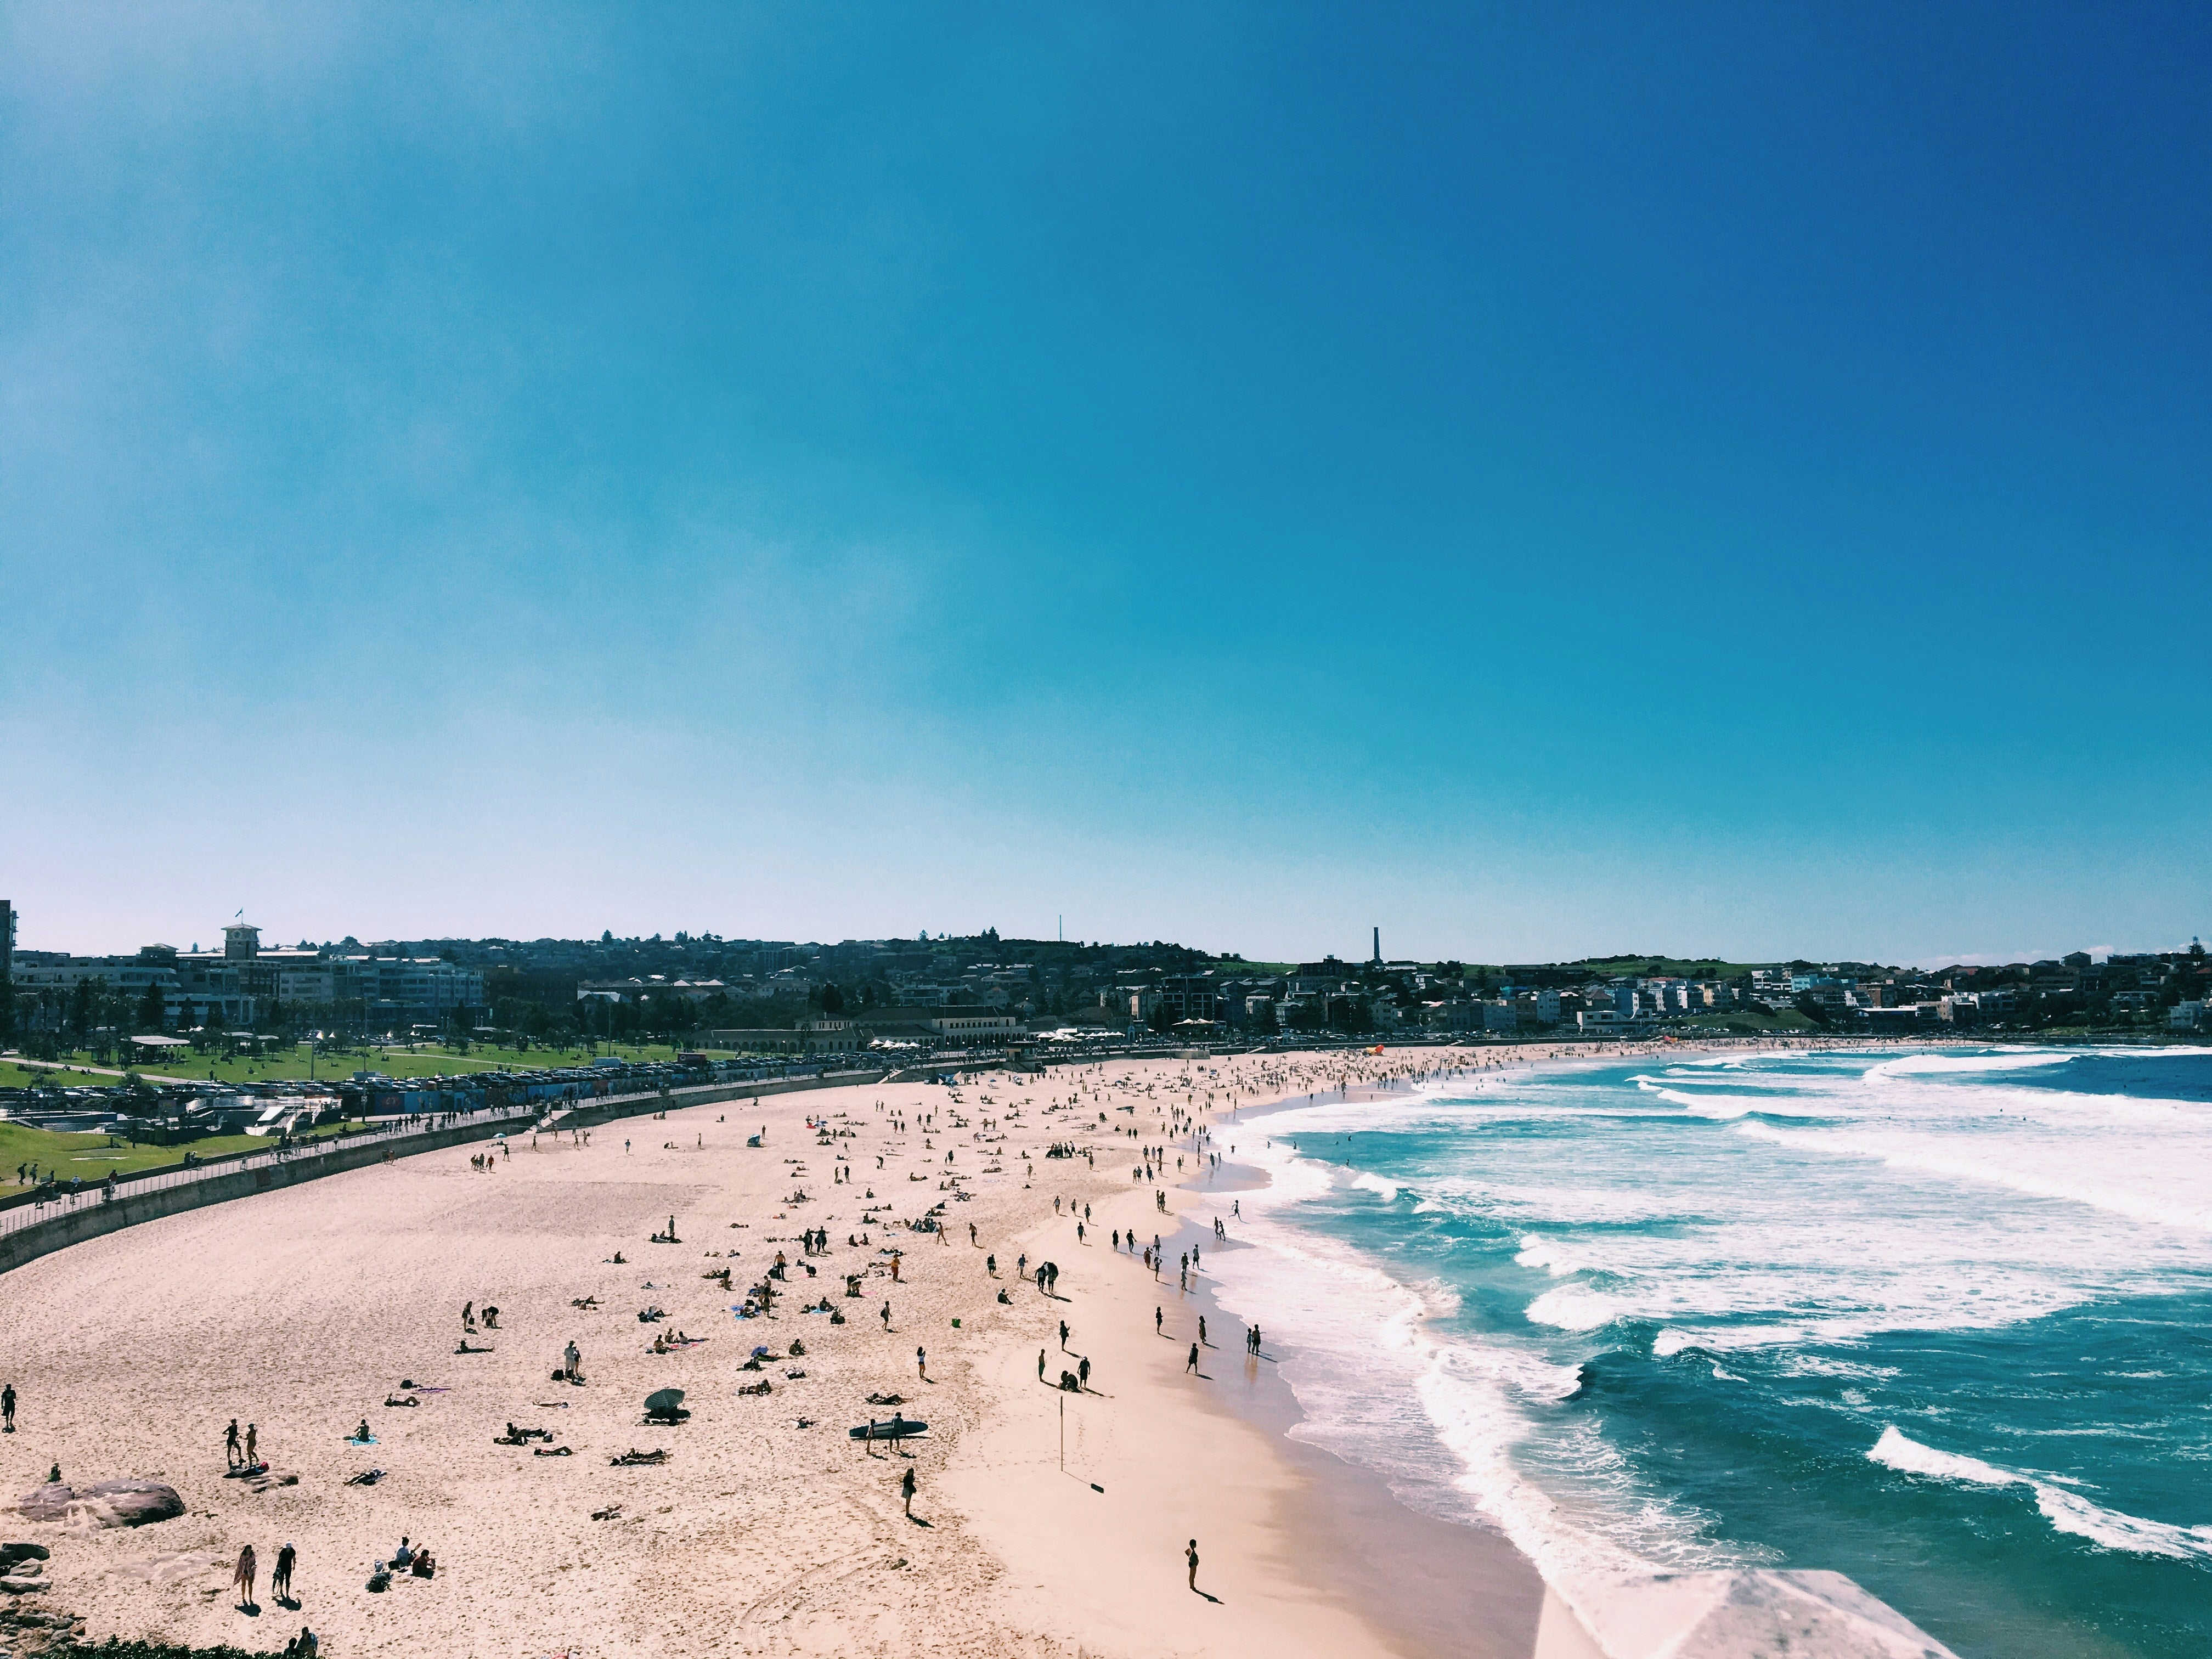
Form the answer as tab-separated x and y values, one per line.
1646	1610
1334	1545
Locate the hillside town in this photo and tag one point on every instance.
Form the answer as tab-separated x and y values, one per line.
785	998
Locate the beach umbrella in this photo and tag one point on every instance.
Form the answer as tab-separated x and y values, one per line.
664	1400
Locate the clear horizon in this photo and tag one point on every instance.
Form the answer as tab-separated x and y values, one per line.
1725	482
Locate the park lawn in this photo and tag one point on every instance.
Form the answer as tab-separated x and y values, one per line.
1746	1022
13	1076
93	1156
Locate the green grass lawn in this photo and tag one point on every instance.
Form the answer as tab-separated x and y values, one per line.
13	1076
425	1059
93	1156
1745	1021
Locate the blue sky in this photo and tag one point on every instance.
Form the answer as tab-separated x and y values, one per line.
1546	480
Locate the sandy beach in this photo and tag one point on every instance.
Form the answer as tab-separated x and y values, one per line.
1042	1523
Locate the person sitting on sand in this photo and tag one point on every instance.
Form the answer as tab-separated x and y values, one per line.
424	1566
304	1645
405	1554
362	1434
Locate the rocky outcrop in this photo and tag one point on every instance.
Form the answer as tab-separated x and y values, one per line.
104	1503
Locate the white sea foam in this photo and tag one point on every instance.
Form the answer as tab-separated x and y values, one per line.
2170	1185
2067	1511
1807	1365
1904	1197
1922	1065
1899	1451
1377	1384
1521	1205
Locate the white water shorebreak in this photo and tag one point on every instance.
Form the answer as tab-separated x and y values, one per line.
2068	1511
1377	1385
1868	1239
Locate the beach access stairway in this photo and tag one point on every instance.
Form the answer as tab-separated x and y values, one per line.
39	1224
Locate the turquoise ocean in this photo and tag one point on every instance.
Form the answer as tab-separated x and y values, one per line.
1940	1320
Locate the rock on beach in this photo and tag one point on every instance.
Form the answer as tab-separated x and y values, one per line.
104	1504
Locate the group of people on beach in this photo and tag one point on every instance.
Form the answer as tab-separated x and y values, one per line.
280	1582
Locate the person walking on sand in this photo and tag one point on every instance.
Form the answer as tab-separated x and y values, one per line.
230	1449
252	1437
243	1578
1193	1364
280	1578
921	1363
1040	1364
1190	1555
1158	1316
906	1490
7	1409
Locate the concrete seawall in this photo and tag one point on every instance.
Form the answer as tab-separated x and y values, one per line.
127	1209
